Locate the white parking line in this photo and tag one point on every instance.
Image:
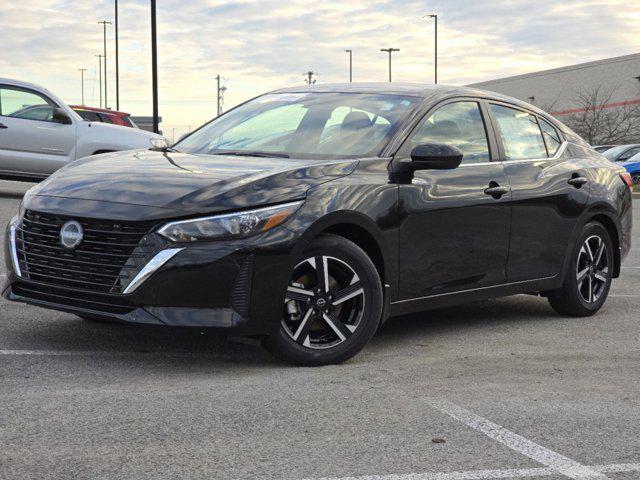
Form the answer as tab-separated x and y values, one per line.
555	461
103	353
490	474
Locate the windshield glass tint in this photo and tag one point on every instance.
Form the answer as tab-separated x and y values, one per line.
305	125
613	153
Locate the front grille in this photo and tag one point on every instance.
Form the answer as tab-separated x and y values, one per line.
72	298
110	253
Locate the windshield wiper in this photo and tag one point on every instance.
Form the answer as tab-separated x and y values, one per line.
249	153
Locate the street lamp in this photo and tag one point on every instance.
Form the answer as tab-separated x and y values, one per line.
117	65
100	70
350	52
82	70
104	38
435	17
389	50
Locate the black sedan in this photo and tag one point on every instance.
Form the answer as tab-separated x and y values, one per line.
308	216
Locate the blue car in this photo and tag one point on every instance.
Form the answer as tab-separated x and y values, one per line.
633	167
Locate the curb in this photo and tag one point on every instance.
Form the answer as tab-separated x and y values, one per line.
635	195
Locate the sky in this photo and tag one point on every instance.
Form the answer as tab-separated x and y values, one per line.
260	45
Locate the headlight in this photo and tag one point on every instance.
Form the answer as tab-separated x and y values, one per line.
231	225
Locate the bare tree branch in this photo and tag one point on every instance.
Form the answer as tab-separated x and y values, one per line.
599	121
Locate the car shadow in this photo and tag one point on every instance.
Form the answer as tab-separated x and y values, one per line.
198	346
505	311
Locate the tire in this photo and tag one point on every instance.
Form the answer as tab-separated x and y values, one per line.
588	281
328	319
636	178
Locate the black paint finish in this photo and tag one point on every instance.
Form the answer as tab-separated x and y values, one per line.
435	236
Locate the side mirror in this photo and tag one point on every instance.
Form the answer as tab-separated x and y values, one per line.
60	116
435	156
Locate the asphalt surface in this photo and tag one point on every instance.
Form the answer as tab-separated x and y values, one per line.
497	389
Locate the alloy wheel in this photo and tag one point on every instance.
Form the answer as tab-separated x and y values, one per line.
324	302
592	269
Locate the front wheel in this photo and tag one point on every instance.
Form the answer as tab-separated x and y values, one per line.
588	279
332	306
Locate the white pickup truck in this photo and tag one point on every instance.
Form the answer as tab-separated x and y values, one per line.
39	133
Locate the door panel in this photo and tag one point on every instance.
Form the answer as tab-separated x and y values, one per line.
453	236
545	211
30	142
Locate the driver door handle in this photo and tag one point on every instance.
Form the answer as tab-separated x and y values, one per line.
577	181
496	190
2	125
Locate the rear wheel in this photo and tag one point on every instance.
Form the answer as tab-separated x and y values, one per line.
333	305
588	280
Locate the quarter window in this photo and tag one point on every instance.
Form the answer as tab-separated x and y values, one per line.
520	133
551	138
24	104
459	124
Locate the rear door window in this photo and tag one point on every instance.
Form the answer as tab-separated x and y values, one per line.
520	133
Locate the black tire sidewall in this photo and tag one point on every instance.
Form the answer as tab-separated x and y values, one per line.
571	283
283	346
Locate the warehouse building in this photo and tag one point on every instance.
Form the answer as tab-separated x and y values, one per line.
600	99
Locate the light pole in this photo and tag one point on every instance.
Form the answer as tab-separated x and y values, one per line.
310	80
350	52
117	63
220	92
104	39
390	50
435	18
154	65
82	70
100	70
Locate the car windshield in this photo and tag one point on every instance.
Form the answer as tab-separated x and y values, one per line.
304	125
614	152
634	159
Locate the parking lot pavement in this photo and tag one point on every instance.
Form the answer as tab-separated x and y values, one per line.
497	389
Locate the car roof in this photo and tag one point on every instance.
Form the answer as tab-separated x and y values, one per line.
425	91
21	83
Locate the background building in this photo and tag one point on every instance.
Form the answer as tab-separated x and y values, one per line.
600	100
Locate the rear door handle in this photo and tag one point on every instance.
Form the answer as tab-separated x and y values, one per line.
578	181
495	190
2	125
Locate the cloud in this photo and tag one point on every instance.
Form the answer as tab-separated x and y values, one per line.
258	45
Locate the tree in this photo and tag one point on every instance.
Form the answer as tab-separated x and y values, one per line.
600	121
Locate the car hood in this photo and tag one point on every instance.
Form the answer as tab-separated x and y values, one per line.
120	130
190	183
630	163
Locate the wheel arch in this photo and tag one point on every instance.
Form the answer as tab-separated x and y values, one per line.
614	234
357	228
604	214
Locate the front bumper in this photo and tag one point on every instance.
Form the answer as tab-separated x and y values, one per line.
229	285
